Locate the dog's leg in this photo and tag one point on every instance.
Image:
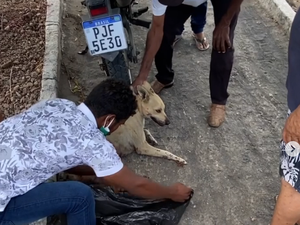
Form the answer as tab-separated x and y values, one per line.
149	150
149	138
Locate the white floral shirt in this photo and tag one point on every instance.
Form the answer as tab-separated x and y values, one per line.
50	137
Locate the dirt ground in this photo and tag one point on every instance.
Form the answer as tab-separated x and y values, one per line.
294	3
22	36
233	169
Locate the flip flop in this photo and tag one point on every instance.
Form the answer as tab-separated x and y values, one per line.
200	43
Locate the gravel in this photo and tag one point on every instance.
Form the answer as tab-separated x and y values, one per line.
22	43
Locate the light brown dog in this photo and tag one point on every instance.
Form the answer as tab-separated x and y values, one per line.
132	136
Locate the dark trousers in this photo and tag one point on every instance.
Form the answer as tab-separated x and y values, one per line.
221	63
198	19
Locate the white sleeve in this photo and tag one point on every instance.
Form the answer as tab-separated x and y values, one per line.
158	9
105	160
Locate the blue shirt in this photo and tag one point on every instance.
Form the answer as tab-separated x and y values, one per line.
293	79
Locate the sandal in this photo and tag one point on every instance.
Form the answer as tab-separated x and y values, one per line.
200	43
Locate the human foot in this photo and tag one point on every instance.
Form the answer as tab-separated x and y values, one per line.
201	41
217	115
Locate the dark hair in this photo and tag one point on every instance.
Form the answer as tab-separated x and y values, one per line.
112	97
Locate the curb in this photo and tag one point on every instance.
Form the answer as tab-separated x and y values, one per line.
52	56
280	11
52	59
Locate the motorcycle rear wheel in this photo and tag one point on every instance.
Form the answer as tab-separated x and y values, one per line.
118	68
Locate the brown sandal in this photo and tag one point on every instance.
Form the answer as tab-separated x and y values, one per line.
200	43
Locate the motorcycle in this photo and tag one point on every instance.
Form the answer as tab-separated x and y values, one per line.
107	29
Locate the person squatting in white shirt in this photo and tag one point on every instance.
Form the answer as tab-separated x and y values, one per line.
55	136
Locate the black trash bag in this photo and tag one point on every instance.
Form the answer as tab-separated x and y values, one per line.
123	209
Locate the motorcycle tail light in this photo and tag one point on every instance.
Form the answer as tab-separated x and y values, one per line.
98	11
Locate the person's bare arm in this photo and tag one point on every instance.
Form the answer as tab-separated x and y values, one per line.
145	188
136	185
153	42
221	40
233	9
287	210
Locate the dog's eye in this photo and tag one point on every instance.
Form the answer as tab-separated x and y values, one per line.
158	110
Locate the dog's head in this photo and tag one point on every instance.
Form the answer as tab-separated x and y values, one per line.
151	105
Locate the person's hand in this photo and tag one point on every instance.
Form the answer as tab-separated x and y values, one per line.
118	189
221	40
291	131
180	192
138	81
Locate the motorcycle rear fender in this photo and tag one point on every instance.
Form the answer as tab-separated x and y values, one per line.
110	56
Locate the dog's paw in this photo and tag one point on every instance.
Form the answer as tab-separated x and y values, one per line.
181	162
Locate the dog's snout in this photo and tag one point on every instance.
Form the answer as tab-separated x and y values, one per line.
167	121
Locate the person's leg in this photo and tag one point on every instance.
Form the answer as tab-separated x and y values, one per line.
198	21
287	209
178	35
175	17
220	68
72	198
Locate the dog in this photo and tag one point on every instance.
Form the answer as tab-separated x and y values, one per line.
132	136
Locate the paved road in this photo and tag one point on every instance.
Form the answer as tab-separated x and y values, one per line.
233	169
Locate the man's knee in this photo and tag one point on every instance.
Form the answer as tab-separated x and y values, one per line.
81	190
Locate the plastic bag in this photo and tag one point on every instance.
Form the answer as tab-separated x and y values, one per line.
122	209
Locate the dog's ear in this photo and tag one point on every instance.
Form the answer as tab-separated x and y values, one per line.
142	92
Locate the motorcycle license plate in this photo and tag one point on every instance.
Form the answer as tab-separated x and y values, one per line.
105	35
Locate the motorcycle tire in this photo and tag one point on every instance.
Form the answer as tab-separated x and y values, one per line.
118	68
